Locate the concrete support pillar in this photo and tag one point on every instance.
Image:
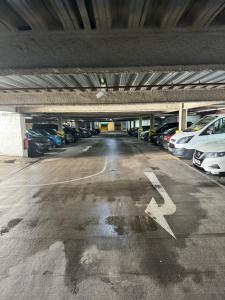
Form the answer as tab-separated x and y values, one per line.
140	122
134	123
152	121
91	125
130	124
12	133
182	117
77	125
59	122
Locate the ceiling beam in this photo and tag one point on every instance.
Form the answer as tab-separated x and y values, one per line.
117	97
141	108
34	52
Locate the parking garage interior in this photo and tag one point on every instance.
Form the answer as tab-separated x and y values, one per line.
92	205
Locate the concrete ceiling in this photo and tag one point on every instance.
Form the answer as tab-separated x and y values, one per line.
62	52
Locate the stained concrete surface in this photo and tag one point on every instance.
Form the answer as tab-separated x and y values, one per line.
89	238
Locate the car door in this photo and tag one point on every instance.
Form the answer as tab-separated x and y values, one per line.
218	130
213	132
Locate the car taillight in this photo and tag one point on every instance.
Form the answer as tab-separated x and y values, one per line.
167	138
25	143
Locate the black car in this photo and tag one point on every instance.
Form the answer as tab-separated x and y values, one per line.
159	138
37	144
84	133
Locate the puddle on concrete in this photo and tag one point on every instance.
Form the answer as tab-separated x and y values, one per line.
12	223
136	224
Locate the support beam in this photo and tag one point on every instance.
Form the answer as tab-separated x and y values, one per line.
89	97
152	121
123	109
59	122
77	125
56	50
182	117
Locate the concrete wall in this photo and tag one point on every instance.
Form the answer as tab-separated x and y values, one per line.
12	133
111	126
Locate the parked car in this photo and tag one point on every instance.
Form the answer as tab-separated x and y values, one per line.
97	130
85	133
52	129
163	138
37	144
210	157
56	140
134	131
211	128
167	136
144	135
154	132
69	134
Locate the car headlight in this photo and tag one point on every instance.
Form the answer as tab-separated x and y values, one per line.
185	140
214	154
38	144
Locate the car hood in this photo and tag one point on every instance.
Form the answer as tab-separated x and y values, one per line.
181	135
218	146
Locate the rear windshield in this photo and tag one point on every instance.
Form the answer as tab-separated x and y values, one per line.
171	130
201	123
52	131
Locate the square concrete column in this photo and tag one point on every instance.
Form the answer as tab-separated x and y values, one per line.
140	122
152	121
59	122
91	125
182	117
13	133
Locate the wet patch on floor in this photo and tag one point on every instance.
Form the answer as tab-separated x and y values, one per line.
125	225
32	223
155	168
37	194
12	223
10	161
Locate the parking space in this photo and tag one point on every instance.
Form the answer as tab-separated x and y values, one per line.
76	225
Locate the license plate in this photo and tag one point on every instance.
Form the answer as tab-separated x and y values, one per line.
197	162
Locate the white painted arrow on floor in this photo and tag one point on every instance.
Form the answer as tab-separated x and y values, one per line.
167	208
86	148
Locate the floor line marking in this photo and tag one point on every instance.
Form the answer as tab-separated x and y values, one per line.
167	208
59	182
86	148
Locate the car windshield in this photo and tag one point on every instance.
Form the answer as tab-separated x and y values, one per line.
33	133
52	131
43	132
201	123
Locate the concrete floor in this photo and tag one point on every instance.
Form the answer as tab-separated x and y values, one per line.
73	226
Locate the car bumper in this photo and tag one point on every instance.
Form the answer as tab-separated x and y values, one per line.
181	152
210	165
